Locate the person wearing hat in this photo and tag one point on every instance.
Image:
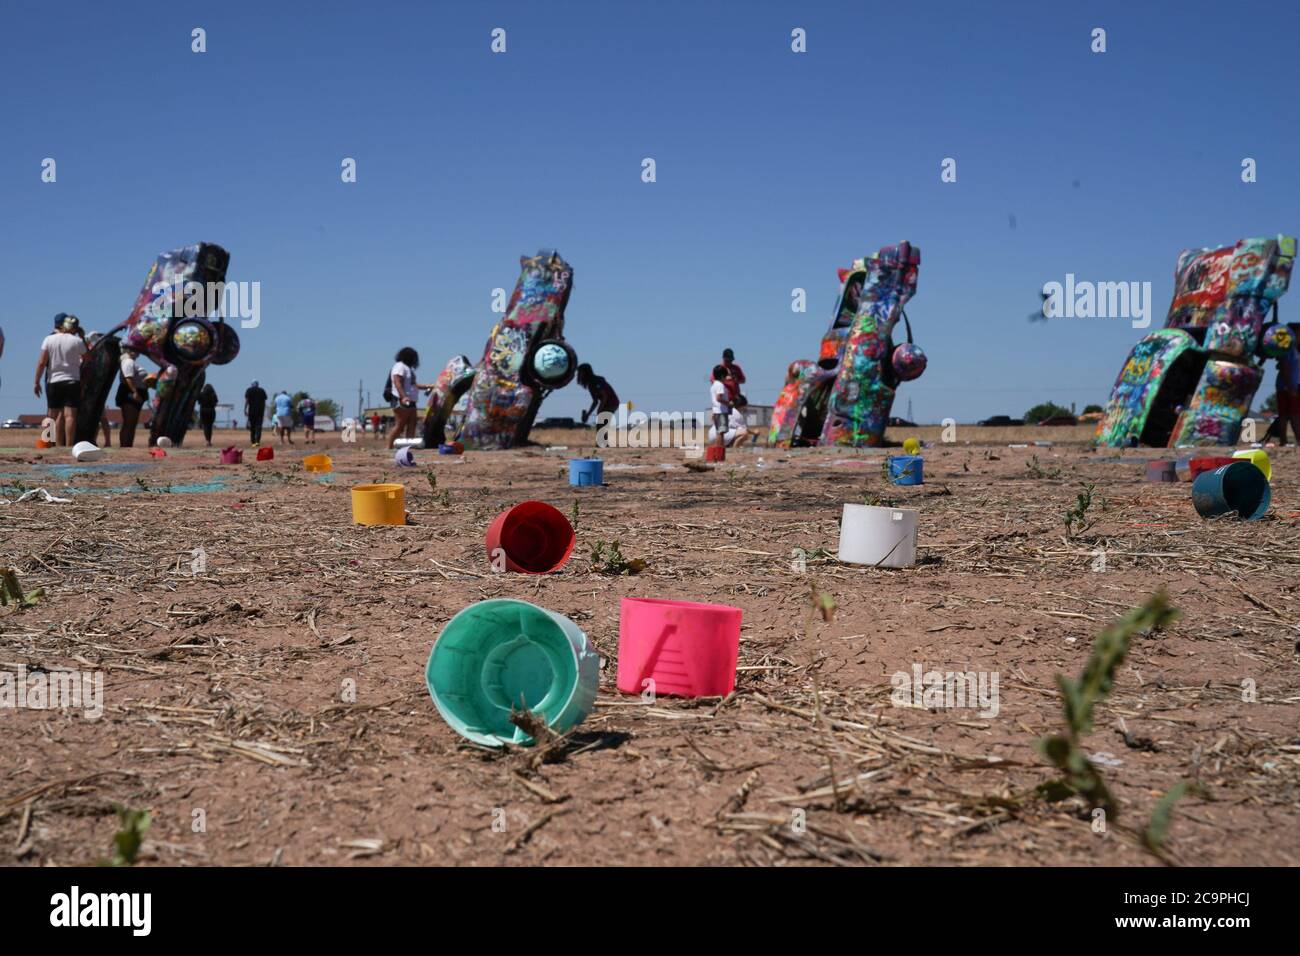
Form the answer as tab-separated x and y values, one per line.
62	353
132	393
255	410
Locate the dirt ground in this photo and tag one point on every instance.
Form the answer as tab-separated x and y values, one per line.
227	713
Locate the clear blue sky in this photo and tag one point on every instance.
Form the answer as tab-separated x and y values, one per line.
774	169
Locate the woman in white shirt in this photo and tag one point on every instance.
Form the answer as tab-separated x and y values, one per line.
406	393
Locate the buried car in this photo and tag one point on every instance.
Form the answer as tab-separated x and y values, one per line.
844	398
525	359
170	323
1192	382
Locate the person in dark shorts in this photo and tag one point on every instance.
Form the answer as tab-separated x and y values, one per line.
307	413
207	411
604	400
62	353
255	412
132	393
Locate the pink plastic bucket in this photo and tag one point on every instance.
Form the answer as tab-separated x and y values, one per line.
688	649
231	456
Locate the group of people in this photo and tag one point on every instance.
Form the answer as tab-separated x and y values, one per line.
402	392
58	372
255	400
727	403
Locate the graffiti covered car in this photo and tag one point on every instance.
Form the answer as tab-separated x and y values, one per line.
524	360
171	323
844	397
1192	382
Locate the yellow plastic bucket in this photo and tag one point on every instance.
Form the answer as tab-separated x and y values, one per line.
320	463
379	504
1257	457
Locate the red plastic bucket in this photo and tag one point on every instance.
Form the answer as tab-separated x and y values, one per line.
265	454
715	453
1198	465
533	537
688	649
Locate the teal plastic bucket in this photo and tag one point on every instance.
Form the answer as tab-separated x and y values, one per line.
502	655
905	469
1239	487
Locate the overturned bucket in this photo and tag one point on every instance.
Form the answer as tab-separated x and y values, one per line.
318	463
502	656
683	648
231	456
404	457
586	471
1238	488
532	537
1257	457
906	469
880	537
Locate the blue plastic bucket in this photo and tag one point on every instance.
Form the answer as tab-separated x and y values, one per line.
586	471
1239	487
905	469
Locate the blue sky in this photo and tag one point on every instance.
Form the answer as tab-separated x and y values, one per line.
774	169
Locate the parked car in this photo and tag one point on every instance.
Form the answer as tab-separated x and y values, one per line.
556	423
1060	420
12	423
1000	421
902	423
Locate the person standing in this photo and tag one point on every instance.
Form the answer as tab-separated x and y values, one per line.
255	411
1288	397
720	400
131	395
307	412
735	374
62	353
406	394
284	417
207	411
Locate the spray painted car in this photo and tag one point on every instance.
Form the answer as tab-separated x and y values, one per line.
524	360
453	380
844	398
171	324
1192	382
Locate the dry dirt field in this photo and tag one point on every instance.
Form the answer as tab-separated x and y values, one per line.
224	710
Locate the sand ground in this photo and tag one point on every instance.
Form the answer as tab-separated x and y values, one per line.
228	712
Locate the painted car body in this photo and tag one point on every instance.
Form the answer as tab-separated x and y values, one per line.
525	359
1192	382
171	324
844	397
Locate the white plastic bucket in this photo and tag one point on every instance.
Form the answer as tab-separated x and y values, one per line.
880	537
87	451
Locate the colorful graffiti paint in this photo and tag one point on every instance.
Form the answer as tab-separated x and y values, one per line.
1192	382
844	398
524	360
162	327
